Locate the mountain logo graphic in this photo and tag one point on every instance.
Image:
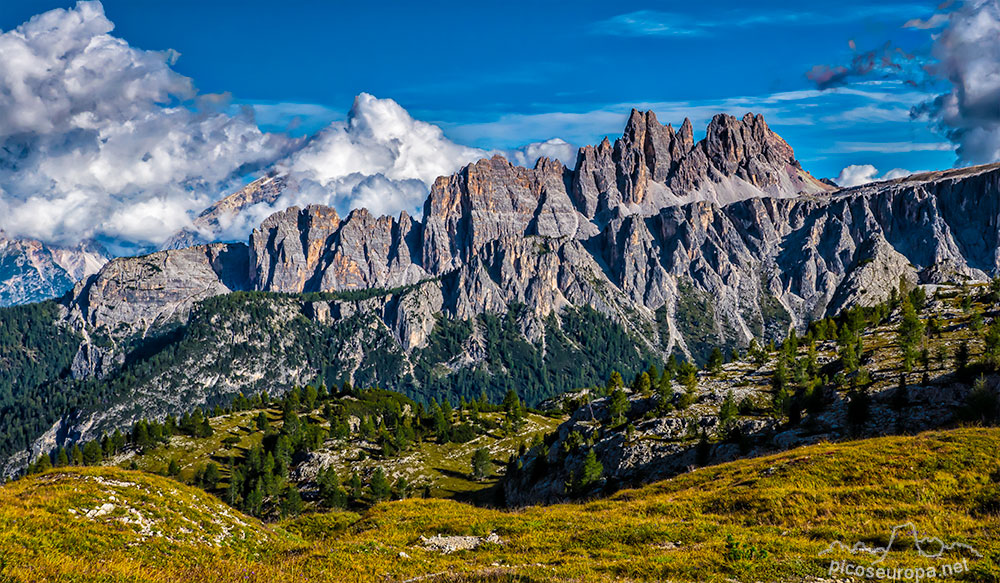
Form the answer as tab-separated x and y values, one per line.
928	547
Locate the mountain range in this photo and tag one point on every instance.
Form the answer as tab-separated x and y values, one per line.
650	246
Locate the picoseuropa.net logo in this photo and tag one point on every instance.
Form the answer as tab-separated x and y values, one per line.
937	559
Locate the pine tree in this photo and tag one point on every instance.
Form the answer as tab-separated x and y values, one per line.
728	409
962	357
43	464
92	454
292	503
590	474
330	491
205	428
715	361
355	486
642	385
211	477
665	393
309	398
689	378
909	333
402	489
379	486
62	458
262	422
618	406
991	344
481	463
173	468
76	455
614	382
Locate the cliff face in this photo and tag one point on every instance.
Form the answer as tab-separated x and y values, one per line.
687	244
684	245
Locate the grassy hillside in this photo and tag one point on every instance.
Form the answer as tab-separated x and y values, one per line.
927	358
764	519
442	469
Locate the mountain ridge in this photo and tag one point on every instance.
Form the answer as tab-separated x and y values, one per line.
677	279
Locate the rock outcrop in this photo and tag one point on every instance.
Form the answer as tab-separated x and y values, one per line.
130	297
684	245
689	245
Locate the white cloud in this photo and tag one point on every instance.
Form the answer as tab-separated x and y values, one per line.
858	174
382	159
968	55
380	137
896	173
100	139
556	149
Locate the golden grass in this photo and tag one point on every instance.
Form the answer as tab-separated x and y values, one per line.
789	505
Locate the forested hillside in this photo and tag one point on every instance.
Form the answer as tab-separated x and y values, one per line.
35	360
253	342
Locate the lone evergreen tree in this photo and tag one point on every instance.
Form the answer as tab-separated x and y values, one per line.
355	486
77	455
92	453
292	504
728	409
590	474
715	361
62	458
481	463
618	406
379	486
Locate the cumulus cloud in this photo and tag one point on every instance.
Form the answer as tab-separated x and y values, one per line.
967	54
858	174
379	158
556	149
896	173
378	138
100	139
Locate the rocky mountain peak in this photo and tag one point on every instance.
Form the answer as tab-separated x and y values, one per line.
741	146
685	136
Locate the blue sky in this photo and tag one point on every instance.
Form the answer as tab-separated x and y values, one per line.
498	75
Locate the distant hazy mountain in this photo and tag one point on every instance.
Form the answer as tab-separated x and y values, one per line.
32	271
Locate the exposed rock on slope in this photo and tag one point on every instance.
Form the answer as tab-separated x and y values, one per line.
32	271
684	245
687	244
133	295
658	437
215	219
